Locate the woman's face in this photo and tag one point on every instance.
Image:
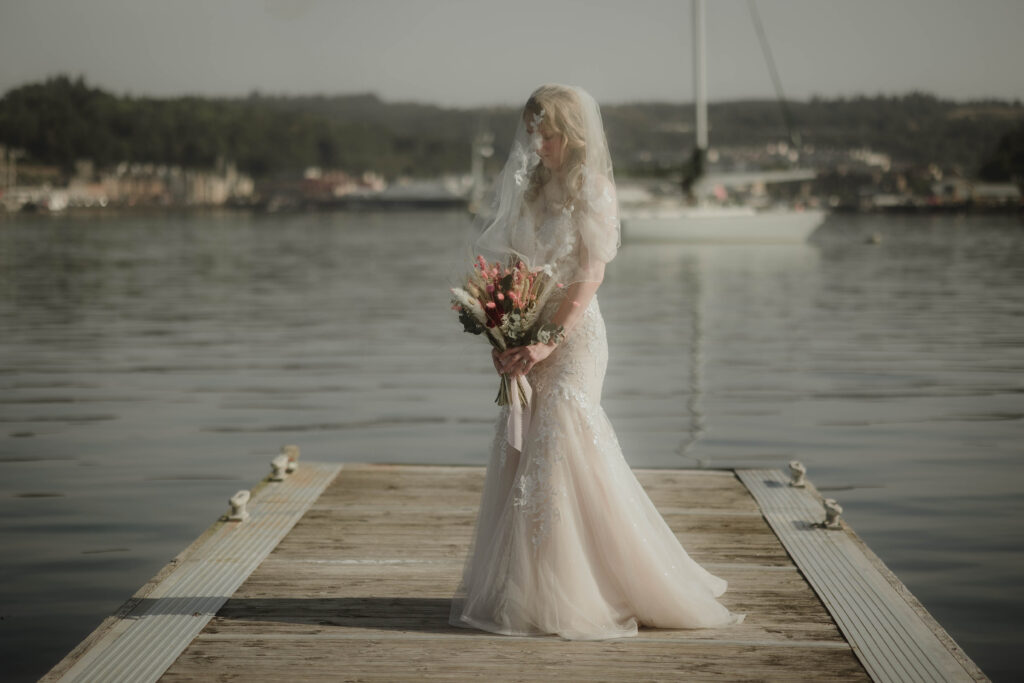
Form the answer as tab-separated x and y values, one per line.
552	144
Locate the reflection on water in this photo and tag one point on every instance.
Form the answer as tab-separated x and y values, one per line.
151	366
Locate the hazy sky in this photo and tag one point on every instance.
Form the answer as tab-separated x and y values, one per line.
471	52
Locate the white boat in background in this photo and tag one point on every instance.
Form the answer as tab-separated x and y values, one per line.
720	224
705	222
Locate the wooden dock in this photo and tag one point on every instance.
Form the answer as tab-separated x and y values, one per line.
345	573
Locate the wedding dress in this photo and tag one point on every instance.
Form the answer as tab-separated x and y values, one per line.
566	540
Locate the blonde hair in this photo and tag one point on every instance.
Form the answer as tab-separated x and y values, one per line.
559	108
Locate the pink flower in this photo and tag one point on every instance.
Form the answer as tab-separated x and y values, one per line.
501	297
490	304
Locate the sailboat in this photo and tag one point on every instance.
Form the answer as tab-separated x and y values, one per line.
679	220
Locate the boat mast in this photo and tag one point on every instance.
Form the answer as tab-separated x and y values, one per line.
694	167
700	77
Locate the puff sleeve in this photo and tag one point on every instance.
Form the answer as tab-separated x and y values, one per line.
599	229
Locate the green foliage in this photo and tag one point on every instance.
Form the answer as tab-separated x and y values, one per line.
63	119
1007	161
915	129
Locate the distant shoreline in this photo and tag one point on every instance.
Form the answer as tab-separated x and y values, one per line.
144	210
372	207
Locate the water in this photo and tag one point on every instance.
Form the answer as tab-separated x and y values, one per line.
152	366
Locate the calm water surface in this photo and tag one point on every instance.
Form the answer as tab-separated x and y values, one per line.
152	366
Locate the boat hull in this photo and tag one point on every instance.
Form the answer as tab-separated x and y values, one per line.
721	226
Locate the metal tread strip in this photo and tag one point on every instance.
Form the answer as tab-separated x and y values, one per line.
870	606
853	620
878	636
888	636
182	585
162	625
174	612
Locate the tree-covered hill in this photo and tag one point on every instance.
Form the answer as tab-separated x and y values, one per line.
1007	161
64	119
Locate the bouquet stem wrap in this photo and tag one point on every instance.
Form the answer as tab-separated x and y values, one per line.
516	393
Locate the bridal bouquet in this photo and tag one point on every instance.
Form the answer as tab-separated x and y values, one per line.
502	301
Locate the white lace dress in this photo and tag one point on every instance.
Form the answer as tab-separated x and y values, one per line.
567	542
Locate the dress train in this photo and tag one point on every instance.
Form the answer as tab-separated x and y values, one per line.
566	540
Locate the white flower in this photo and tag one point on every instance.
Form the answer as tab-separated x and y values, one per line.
463	298
512	326
549	332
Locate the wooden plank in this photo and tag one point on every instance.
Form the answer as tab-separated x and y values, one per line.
709	489
469	657
387	533
314	598
361	587
885	631
429	512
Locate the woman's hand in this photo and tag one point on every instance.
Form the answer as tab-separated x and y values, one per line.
520	360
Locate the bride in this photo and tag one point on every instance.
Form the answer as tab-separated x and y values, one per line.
566	541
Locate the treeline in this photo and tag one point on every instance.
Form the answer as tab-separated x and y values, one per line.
64	119
916	128
1007	161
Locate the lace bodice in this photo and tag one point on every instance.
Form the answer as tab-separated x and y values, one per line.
554	232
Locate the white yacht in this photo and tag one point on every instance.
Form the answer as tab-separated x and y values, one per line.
719	224
677	221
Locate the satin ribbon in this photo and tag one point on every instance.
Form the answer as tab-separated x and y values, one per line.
518	415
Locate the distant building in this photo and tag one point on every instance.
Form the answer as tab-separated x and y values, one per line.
996	194
319	185
871	158
84	189
143	184
952	189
